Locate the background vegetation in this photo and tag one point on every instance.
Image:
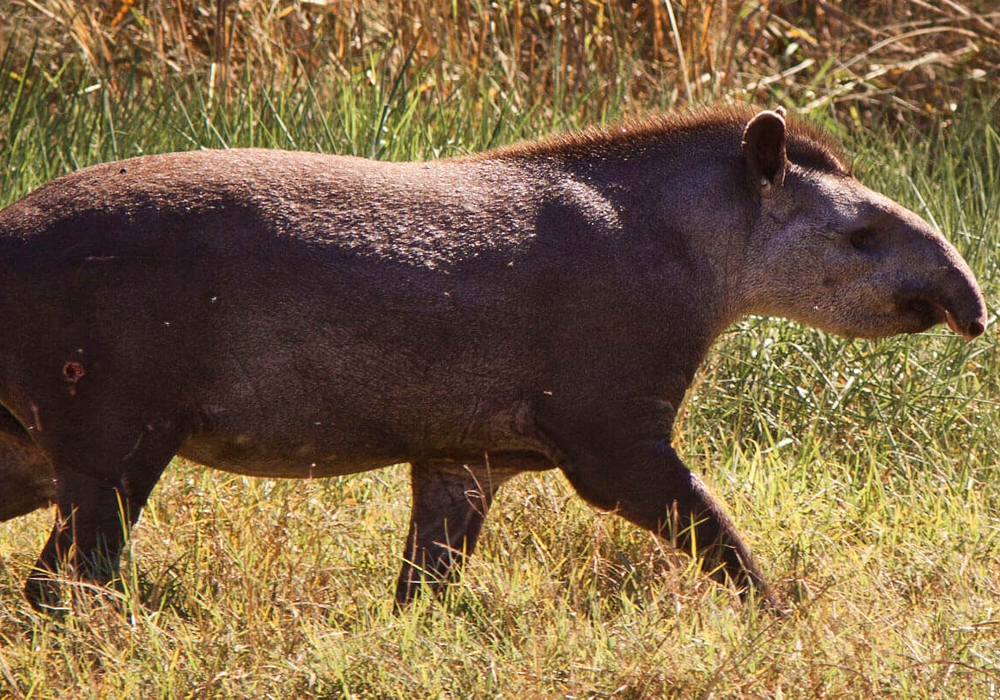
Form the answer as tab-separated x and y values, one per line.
864	474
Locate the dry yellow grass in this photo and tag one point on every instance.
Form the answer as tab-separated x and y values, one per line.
902	60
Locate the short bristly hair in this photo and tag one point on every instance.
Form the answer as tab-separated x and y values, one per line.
807	145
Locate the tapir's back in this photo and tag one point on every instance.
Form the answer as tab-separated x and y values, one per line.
437	211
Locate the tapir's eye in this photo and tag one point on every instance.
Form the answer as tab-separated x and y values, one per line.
862	240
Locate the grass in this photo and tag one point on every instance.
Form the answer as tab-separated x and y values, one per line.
863	474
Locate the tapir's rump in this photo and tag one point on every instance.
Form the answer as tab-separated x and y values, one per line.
541	306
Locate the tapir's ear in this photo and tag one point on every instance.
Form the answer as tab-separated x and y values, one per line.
764	150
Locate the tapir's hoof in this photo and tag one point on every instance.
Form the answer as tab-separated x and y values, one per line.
44	593
773	604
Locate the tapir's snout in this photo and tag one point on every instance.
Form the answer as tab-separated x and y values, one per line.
952	297
961	300
969	322
937	285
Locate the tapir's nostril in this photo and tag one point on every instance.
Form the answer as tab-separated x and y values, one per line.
975	329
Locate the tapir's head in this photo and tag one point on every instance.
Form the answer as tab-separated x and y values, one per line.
827	251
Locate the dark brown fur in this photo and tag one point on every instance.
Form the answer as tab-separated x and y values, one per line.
544	305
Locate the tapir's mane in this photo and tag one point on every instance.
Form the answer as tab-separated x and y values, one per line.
807	145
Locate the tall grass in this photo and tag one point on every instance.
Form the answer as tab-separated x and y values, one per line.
864	474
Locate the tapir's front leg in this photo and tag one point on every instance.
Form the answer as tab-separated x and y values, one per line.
625	464
450	502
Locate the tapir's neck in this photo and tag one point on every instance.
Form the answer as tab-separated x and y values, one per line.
688	207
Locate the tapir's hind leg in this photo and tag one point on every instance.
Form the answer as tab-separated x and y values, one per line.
97	508
450	502
26	478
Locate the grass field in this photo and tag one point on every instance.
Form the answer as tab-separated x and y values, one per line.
864	474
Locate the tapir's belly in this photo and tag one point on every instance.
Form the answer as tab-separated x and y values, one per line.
243	455
286	447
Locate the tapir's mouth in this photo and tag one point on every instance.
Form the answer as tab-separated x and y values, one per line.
952	323
926	313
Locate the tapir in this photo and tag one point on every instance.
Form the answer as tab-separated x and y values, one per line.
542	305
